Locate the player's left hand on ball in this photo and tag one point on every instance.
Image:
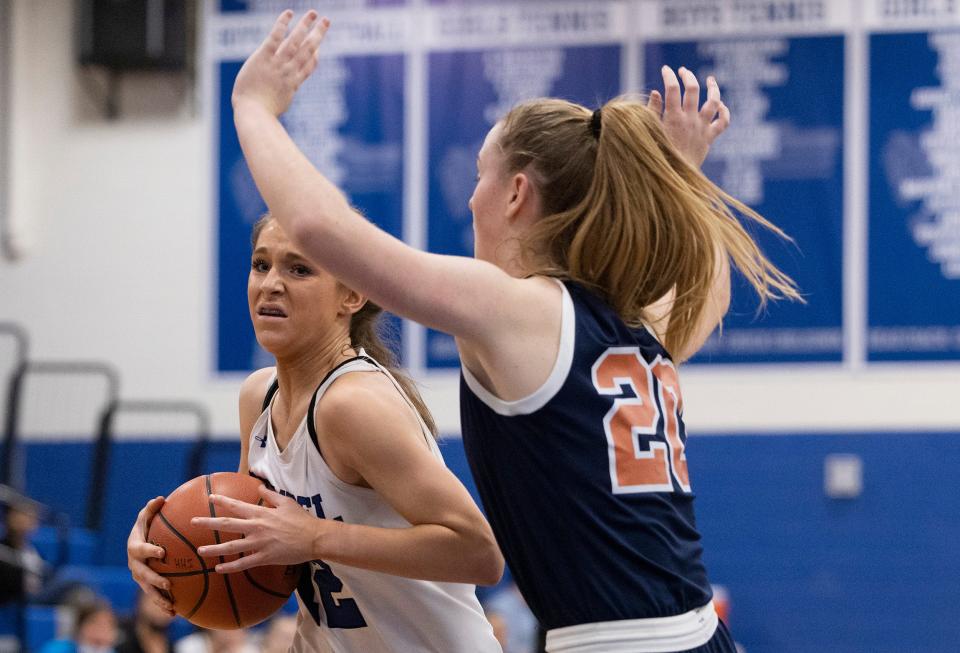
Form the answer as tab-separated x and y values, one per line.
280	532
690	127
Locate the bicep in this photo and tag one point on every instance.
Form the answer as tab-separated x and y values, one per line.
384	444
421	488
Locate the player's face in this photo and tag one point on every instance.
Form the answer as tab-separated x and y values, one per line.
295	306
489	201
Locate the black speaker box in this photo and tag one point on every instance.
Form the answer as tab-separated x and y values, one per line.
127	35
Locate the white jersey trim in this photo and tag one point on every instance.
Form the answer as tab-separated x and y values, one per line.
561	368
659	635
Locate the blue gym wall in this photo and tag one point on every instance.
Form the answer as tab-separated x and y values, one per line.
805	573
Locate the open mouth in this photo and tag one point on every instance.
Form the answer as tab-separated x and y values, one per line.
271	311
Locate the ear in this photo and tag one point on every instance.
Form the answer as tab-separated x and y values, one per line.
350	301
523	198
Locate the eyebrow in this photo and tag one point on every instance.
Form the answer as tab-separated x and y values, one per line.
290	256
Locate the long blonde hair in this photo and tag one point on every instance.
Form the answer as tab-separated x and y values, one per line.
626	215
367	330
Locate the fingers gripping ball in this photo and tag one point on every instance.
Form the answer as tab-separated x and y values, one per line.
197	591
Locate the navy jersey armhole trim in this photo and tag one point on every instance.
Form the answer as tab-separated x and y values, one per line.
271	391
311	425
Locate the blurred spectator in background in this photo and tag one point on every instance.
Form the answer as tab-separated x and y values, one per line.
279	634
21	567
514	625
216	641
721	602
147	631
94	630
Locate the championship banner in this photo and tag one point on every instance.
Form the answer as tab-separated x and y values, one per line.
842	134
914	197
782	156
349	120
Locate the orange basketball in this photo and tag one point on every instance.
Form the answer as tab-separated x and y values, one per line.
200	594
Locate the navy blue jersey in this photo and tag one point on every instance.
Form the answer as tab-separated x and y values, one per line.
585	482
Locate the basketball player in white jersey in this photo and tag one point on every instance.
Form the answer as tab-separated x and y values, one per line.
354	482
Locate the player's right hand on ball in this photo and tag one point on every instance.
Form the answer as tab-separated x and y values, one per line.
139	550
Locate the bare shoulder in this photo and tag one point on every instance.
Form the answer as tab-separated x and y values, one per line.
529	332
363	405
529	307
255	386
544	291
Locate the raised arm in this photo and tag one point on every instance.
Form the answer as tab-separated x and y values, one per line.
457	295
716	307
692	129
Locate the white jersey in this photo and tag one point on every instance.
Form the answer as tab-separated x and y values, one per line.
344	609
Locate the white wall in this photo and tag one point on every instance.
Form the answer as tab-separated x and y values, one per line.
117	219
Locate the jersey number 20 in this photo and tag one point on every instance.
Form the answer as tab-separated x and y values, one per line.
641	459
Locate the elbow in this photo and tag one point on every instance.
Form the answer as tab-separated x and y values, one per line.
488	564
295	223
492	570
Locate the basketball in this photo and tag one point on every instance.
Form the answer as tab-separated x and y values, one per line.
198	593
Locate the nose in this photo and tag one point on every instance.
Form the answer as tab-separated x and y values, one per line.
271	281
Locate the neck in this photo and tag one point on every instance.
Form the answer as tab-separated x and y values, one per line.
508	256
299	374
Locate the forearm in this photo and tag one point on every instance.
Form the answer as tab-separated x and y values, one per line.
425	551
715	307
294	190
441	292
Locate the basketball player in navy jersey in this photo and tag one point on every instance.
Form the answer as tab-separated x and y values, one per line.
603	260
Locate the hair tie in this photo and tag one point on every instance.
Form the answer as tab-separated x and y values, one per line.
595	124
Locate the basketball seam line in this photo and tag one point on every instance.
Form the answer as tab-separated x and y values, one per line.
203	565
216	536
249	576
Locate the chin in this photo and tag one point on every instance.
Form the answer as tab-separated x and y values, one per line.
272	343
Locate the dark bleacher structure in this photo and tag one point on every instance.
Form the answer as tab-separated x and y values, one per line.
85	513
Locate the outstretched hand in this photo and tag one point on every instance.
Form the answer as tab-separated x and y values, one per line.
280	532
273	73
690	127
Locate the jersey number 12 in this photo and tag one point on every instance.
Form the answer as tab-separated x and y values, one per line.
641	458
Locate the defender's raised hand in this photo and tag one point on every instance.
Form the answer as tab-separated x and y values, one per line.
272	74
690	127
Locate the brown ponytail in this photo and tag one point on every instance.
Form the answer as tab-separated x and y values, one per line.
627	216
366	328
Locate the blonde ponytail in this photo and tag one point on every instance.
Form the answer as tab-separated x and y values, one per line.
627	216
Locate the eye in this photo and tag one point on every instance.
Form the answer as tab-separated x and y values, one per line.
259	265
301	270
